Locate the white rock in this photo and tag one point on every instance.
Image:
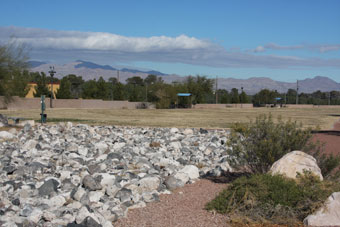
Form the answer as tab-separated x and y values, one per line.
188	131
295	162
101	147
35	215
107	179
112	190
192	171
182	177
226	167
23	123
167	162
82	151
174	130
64	175
328	215
118	146
84	213
6	135
79	193
48	216
176	145
75	179
94	196
75	205
56	201
148	184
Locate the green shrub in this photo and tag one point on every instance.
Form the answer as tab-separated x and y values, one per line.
259	144
272	199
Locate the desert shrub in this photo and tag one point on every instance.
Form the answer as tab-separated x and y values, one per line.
262	198
257	145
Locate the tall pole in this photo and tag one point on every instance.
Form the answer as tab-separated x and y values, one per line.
118	76
216	95
51	72
297	92
329	98
241	96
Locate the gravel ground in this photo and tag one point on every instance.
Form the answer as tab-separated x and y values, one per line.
184	207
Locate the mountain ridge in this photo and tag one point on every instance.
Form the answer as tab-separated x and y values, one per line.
89	70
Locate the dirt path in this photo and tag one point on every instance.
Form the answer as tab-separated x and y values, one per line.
183	208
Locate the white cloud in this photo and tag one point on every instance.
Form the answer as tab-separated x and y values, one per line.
259	49
42	38
319	48
72	45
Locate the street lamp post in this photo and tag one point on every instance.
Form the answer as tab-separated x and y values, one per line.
51	72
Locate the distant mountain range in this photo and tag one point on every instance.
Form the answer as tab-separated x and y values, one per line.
90	70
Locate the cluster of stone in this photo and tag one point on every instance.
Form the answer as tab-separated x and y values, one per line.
81	175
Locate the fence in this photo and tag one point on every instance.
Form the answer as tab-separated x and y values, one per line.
34	103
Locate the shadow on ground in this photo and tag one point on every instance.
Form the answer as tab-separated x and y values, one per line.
226	177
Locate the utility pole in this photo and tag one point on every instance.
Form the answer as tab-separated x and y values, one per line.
216	95
329	98
118	76
297	92
51	72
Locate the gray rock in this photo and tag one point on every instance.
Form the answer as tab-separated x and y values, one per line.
173	183
27	128
26	210
124	195
49	187
90	183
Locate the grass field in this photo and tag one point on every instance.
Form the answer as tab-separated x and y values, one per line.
196	118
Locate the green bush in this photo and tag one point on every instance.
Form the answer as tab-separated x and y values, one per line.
272	199
257	145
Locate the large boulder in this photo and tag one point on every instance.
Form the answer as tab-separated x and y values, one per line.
328	215
295	162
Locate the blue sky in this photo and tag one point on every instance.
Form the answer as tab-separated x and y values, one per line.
281	39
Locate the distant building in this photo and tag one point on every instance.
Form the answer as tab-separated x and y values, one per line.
56	86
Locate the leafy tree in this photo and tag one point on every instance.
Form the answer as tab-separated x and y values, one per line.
64	91
243	97
76	85
90	90
13	61
235	96
199	87
41	88
136	80
150	79
102	89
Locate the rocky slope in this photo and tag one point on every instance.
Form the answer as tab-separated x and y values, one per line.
91	175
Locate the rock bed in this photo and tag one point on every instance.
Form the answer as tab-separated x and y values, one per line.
65	175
